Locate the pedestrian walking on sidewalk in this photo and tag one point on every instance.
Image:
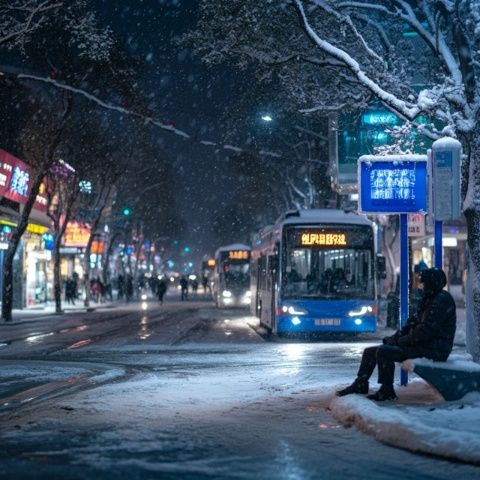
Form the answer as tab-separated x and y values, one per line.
161	289
429	334
184	288
70	291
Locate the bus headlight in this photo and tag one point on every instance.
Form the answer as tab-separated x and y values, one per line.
227	294
361	311
291	310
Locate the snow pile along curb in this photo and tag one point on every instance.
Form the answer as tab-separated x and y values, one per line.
449	430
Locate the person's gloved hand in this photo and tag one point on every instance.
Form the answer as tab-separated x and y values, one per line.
390	340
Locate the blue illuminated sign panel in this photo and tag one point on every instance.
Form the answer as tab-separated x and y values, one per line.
388	186
380	118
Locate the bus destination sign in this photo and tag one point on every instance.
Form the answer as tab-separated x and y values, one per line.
239	255
322	239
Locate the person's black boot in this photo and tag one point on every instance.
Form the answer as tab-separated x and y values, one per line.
385	392
360	385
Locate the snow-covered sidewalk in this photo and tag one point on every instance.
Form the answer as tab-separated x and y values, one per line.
45	311
420	420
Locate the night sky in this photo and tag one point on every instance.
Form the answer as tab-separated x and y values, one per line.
196	98
185	92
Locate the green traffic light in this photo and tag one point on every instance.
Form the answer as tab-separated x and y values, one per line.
127	211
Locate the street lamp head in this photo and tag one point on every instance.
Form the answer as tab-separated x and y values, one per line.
267	118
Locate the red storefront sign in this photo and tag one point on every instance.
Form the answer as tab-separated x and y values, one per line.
15	181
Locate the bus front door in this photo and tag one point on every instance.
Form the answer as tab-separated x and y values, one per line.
269	298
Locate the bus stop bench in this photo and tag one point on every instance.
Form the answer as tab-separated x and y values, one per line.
453	379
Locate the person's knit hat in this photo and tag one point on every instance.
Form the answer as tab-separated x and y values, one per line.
433	279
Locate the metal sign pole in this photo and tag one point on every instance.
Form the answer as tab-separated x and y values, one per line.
404	274
395	184
438	244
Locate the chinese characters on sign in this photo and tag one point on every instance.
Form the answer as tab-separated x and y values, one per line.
323	239
76	235
19	181
393	184
239	255
416	225
15	178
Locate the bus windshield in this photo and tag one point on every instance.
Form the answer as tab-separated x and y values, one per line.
335	262
237	275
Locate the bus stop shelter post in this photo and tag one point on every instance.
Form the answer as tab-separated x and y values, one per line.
438	244
404	274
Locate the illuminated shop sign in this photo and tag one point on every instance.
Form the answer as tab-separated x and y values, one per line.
41	201
393	186
15	181
76	235
19	181
98	247
239	255
309	239
380	118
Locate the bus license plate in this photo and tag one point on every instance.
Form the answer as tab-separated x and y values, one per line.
324	322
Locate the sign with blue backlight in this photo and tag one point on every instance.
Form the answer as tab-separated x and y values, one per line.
392	184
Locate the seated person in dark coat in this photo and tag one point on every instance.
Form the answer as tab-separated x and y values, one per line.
427	334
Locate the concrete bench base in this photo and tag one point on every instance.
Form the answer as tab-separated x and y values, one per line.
451	384
452	379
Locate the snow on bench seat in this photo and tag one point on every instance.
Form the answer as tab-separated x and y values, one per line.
453	379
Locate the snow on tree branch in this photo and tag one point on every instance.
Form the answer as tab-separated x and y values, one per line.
147	120
409	112
18	18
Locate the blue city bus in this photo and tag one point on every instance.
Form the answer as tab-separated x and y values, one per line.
315	271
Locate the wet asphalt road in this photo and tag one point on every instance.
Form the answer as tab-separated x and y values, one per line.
183	391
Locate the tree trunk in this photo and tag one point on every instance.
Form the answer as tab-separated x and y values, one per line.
88	248
138	251
106	261
57	284
472	214
7	290
86	276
